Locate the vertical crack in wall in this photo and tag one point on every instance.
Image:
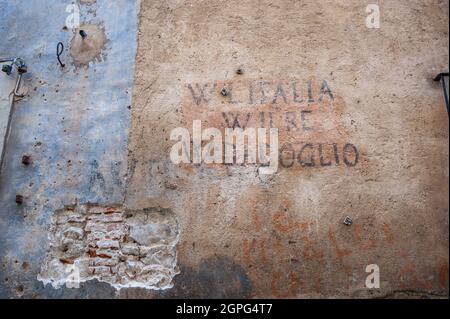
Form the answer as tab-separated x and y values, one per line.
125	248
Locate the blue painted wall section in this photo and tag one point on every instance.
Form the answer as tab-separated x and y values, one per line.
73	123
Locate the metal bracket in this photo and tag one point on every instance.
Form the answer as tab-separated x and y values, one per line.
441	78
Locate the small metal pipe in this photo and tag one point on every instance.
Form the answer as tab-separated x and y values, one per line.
8	129
21	69
17	86
17	61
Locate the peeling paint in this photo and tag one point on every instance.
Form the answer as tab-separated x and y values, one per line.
73	122
88	49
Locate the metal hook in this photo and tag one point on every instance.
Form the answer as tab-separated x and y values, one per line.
441	78
59	50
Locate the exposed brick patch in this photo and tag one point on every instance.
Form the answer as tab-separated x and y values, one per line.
125	248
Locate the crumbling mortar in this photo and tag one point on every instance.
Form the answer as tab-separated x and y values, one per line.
124	248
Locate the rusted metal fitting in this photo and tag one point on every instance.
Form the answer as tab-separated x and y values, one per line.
348	221
26	160
19	199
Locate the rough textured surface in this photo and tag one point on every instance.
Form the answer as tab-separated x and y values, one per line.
122	248
285	231
73	122
90	48
310	68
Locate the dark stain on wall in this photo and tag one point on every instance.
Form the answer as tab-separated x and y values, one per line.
216	277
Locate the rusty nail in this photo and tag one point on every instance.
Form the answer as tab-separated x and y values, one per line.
348	221
26	160
19	199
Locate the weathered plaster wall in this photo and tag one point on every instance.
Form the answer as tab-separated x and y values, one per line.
6	86
99	139
73	123
249	235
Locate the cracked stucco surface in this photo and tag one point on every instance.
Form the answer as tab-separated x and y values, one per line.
282	235
240	234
